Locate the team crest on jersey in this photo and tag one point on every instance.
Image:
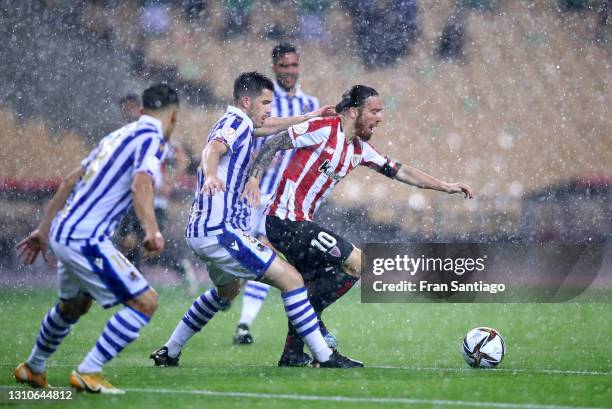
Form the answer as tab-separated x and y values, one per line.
300	129
335	251
229	134
355	159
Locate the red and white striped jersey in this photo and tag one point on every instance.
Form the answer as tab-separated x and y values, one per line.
322	158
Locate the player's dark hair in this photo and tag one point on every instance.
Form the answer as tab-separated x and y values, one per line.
355	97
282	49
251	84
159	96
129	98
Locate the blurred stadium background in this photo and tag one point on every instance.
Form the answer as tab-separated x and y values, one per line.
512	97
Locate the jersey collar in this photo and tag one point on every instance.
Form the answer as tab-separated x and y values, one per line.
149	120
239	112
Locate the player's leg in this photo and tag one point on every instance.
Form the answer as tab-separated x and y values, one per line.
253	297
302	316
330	286
255	293
321	254
122	329
324	288
111	279
202	310
220	263
54	328
352	265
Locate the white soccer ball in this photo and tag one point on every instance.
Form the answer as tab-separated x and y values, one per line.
483	347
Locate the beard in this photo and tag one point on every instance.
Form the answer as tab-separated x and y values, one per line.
362	130
286	79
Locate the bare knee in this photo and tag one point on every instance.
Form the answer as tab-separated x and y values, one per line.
145	303
229	291
352	265
75	307
283	276
293	278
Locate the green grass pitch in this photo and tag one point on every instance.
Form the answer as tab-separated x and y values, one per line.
559	356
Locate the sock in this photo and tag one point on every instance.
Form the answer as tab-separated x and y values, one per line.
323	291
328	288
120	331
201	311
254	296
53	329
304	319
293	343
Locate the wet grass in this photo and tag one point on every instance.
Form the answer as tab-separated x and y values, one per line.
411	352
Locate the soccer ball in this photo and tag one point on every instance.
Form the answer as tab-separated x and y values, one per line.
483	348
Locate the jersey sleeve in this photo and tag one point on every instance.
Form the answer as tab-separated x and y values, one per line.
310	133
149	156
375	161
230	134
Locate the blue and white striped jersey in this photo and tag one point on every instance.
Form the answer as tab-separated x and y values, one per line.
103	194
209	214
284	105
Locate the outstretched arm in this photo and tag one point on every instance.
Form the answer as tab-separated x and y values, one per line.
274	125
413	176
281	141
38	241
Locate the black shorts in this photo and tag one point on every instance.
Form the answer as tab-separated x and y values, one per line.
131	225
306	245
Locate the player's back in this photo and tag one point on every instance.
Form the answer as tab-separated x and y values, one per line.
103	194
208	214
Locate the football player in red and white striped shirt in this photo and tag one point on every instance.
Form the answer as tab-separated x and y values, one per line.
326	150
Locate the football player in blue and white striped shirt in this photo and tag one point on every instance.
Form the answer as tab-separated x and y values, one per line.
219	221
289	100
92	199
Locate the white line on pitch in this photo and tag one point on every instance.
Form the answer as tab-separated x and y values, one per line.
139	362
505	370
349	399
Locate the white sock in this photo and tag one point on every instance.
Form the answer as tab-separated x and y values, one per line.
120	331
304	319
254	296
197	316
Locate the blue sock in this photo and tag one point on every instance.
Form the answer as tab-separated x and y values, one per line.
53	329
304	319
120	331
201	311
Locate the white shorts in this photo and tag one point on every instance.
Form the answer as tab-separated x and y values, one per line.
258	218
99	270
232	254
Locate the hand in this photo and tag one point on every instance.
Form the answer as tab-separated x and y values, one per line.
36	242
251	192
325	110
153	244
461	188
212	185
